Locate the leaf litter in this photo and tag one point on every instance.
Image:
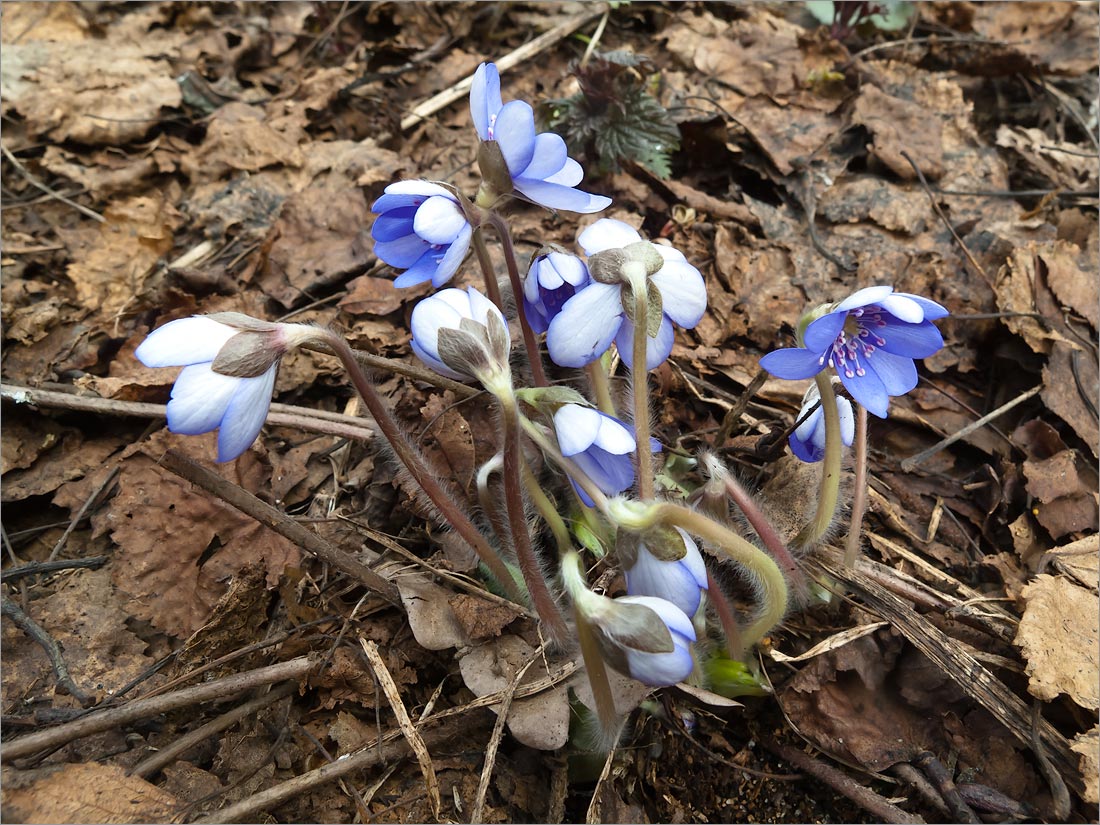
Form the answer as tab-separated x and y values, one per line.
231	154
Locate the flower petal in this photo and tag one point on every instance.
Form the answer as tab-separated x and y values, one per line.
847	420
421	271
439	220
903	308
199	399
408	193
804	450
452	260
898	374
678	622
549	157
391	225
245	415
863	297
683	293
868	390
820	334
657	349
614	436
402	252
607	233
484	97
184	341
434	363
514	130
672	581
586	325
556	196
792	363
576	427
570	174
932	310
911	340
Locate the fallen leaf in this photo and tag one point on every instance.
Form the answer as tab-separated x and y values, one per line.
1058	636
88	792
239	137
431	617
898	125
1088	745
1059	37
480	618
1079	559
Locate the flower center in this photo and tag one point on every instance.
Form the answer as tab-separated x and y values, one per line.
857	341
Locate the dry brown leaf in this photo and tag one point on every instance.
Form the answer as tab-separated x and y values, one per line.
1079	559
1061	393
898	125
97	175
240	138
1060	165
789	135
540	721
73	457
368	295
1058	635
1016	286
431	617
1058	36
61	22
88	792
1088	745
481	619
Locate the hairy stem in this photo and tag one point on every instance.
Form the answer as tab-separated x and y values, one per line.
830	467
859	497
770	586
717	596
487	270
551	451
425	476
601	386
546	509
541	598
640	380
529	341
485	495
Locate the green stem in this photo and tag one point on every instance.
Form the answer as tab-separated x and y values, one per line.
541	598
596	669
546	509
485	496
487	269
425	476
769	585
640	380
551	451
830	467
601	386
859	497
529	340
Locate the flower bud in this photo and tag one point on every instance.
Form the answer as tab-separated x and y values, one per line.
462	335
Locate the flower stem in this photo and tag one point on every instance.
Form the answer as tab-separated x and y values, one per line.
717	596
769	585
541	598
487	269
640	380
485	495
414	462
546	509
596	669
830	467
529	341
601	386
551	451
859	497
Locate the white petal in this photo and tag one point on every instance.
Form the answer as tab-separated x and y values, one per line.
418	187
245	415
439	220
576	427
199	399
607	233
847	421
863	297
674	618
902	308
614	437
586	325
185	341
683	293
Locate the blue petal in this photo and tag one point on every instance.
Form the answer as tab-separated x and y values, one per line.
869	391
911	340
435	364
898	374
401	252
515	132
570	174
199	400
393	224
556	196
420	272
452	260
804	450
586	325
549	158
820	334
657	349
484	97
576	427
932	310
245	415
408	193
792	363
903	307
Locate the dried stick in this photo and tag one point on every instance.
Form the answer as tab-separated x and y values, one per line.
942	781
37	184
867	799
39	568
107	482
52	648
99	721
280	522
149	766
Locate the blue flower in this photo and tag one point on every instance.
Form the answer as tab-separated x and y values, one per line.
680	581
420	228
539	164
204	400
599	444
808	440
552	280
870	339
662	669
595	316
453	310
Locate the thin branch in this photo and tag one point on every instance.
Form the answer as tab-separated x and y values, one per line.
37	184
40	568
53	650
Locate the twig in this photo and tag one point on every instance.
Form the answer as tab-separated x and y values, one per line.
96	493
53	650
936	772
525	52
38	568
494	740
37	184
149	766
408	729
873	803
280	522
1058	792
950	228
594	814
911	776
908	464
282	415
99	721
734	413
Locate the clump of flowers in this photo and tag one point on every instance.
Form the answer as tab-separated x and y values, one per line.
602	505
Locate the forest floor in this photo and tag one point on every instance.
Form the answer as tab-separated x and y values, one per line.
167	159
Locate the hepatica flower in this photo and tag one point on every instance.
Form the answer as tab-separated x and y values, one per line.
599	444
870	339
538	165
552	280
229	363
420	228
808	440
461	334
662	669
598	315
680	581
